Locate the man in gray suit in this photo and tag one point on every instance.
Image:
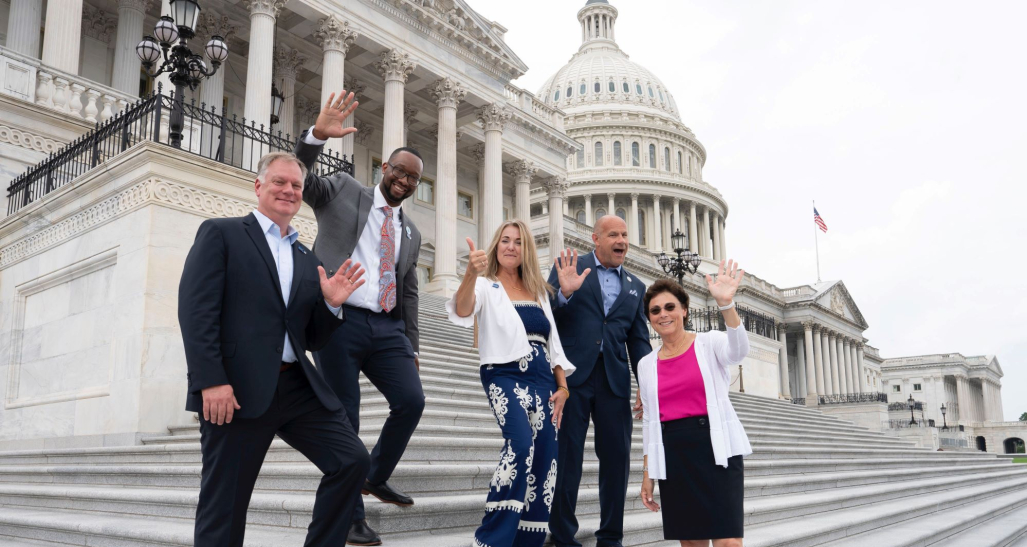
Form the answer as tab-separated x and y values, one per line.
380	335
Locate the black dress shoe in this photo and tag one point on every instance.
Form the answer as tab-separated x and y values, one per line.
362	534
387	494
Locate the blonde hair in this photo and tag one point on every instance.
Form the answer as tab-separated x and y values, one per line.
529	270
267	159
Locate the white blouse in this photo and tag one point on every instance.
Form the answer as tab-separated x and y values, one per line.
715	351
501	334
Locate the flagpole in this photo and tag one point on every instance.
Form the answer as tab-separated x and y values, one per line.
816	242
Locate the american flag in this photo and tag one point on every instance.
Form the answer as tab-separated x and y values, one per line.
819	221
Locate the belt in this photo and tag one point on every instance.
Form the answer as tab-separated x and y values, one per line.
285	366
695	422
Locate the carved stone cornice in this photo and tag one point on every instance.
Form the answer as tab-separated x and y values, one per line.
270	8
334	35
24	139
98	24
395	65
288	62
447	92
493	117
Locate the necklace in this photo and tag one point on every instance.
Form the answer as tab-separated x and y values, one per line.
670	352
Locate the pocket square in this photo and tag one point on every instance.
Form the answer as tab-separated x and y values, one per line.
633	292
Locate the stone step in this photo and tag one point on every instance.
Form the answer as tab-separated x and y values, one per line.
839	524
1002	530
937	527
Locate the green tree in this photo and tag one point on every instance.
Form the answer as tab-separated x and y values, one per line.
1023	417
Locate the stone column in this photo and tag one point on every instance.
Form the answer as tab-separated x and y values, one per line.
557	190
260	59
832	348
706	233
523	171
825	348
395	68
677	218
814	365
784	392
23	23
612	209
962	400
63	38
335	38
716	237
478	151
632	222
212	88
693	237
125	76
800	372
843	378
818	361
287	63
723	240
857	367
657	226
447	94
843	359
588	210
493	117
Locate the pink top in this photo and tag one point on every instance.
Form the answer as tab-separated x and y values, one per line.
681	389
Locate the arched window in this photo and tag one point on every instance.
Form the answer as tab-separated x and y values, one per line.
635	160
582	90
557	96
680	167
651	96
570	90
597	87
626	88
616	153
641	227
598	154
666	159
581	159
623	215
612	87
652	156
660	91
1014	445
600	213
638	88
580	216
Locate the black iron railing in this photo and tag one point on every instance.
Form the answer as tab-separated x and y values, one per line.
707	319
220	138
906	424
903	405
847	398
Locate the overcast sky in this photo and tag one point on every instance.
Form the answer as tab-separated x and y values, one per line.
905	121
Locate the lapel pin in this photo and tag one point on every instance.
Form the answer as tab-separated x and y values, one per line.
302	248
495	285
629	280
408	233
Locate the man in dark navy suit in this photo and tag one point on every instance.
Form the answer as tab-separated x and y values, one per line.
252	301
600	314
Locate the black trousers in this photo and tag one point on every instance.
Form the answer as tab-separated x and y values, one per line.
612	417
375	344
233	454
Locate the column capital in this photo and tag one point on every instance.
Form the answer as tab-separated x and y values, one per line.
556	186
271	8
808	325
478	151
98	24
447	92
634	196
334	35
588	197
831	334
611	196
859	346
493	117
692	205
656	200
817	327
523	170
409	113
677	201
210	24
364	131
353	85
138	5
395	65
287	62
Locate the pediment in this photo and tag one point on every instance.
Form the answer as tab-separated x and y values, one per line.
457	21
837	299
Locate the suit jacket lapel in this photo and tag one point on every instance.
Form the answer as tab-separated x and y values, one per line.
253	229
364	209
405	245
298	263
624	290
593	279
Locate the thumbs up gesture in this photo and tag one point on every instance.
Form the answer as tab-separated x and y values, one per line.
477	261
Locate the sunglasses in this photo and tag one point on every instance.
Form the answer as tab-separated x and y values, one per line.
670	306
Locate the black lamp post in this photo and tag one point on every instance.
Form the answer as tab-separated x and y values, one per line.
277	100
912	419
184	67
685	263
945	423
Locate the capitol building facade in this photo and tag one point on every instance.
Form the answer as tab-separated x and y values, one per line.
101	207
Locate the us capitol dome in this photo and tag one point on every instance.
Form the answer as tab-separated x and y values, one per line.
640	161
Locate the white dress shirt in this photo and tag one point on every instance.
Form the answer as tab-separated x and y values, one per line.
369	244
281	250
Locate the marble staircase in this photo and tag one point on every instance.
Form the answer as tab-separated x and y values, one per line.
812	479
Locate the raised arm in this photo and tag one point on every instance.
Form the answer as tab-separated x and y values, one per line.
723	290
477	263
318	190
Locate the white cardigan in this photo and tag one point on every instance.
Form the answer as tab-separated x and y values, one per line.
501	334
715	351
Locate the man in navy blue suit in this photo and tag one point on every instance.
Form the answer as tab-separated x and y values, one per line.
600	314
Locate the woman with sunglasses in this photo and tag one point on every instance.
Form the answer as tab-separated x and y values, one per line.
692	440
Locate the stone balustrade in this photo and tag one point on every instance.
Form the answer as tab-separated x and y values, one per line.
527	102
30	80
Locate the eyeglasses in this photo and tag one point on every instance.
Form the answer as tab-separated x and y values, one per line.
399	173
670	306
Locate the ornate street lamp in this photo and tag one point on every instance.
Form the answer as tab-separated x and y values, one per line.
945	423
277	100
183	66
912	419
686	262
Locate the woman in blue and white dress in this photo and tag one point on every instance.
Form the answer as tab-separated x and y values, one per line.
523	371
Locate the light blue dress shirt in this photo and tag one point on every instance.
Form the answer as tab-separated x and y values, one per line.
609	284
281	250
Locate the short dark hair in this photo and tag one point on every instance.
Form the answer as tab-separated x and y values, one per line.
405	149
665	286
